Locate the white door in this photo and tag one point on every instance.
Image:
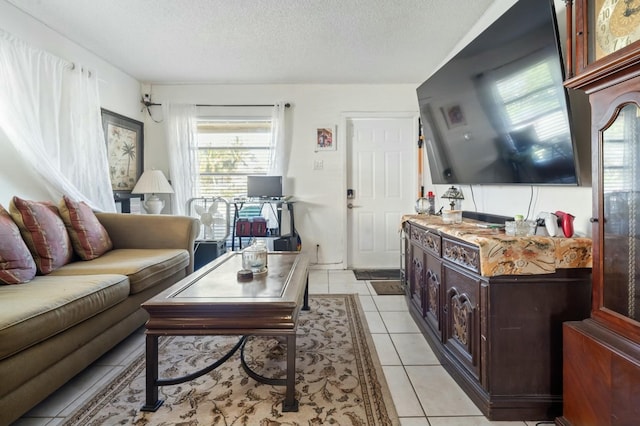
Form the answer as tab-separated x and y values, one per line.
381	176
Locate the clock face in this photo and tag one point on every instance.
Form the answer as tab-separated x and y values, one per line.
617	25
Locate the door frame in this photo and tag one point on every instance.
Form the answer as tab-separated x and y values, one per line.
344	141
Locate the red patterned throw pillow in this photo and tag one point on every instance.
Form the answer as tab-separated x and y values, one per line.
44	232
16	264
88	236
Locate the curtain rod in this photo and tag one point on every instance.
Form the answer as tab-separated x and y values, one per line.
287	105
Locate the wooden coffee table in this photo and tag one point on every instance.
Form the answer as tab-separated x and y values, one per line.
213	302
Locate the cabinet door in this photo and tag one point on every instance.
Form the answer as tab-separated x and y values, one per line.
433	293
617	276
417	277
405	255
462	320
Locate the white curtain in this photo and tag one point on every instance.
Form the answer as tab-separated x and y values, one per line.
50	112
182	146
279	161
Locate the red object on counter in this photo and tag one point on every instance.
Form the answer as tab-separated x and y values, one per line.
566	221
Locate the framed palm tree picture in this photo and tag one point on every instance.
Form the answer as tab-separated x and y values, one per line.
124	137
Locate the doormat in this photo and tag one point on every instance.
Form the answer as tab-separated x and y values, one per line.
390	287
377	274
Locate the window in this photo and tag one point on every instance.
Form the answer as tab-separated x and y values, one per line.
531	98
528	109
228	152
618	152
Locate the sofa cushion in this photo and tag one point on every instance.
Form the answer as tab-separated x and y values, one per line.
144	267
88	236
16	264
44	232
49	305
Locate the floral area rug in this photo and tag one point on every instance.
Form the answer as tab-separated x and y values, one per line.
339	380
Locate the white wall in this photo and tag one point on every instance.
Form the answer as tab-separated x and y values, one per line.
320	210
119	93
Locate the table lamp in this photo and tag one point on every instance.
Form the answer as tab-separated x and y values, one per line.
153	182
453	194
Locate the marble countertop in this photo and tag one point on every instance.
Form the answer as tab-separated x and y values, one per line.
501	254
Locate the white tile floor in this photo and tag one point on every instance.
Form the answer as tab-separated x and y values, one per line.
423	393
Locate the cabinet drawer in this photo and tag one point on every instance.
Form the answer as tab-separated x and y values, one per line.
428	239
462	254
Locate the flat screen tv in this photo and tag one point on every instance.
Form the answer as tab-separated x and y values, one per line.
497	112
264	186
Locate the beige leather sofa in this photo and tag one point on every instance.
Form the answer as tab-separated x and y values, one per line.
54	326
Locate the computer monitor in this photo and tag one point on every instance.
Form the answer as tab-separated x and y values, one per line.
264	186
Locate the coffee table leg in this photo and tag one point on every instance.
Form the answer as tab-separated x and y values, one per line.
290	402
152	401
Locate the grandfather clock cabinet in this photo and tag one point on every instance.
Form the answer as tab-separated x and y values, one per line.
601	355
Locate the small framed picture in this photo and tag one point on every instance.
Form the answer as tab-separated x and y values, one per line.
453	116
326	138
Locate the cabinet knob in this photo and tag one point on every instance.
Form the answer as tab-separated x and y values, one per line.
593	220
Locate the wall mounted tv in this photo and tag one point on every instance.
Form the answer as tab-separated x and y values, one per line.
264	186
497	112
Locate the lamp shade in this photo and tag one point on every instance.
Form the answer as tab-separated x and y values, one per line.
453	194
152	182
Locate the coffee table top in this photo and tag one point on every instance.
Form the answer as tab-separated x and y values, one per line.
213	299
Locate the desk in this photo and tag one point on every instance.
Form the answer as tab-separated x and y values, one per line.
213	302
276	205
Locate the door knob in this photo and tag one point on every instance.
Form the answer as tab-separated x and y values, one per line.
351	206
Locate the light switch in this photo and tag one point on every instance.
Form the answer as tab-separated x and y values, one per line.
318	164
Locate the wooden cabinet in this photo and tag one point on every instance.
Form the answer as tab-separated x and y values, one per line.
602	353
499	337
601	376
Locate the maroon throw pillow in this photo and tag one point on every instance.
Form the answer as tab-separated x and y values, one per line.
44	233
88	236
16	263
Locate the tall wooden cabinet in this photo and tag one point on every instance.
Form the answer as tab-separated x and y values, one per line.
601	365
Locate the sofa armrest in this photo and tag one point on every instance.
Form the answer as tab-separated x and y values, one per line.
151	231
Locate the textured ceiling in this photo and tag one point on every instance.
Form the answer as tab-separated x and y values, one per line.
264	41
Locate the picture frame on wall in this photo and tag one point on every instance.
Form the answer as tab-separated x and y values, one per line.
325	138
124	137
453	116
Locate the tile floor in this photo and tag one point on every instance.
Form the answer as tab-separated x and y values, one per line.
422	391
